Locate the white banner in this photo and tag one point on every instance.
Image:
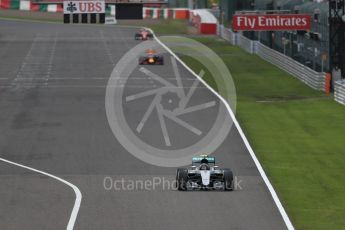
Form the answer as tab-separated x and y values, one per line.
84	7
110	20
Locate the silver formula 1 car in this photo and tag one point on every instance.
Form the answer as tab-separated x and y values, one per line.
203	174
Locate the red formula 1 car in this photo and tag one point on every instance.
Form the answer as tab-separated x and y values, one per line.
143	35
151	58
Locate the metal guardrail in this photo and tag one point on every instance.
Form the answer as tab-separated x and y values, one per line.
314	79
339	91
227	35
310	77
246	44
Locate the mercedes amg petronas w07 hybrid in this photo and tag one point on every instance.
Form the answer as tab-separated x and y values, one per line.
203	174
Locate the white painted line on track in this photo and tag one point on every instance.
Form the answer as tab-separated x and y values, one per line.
51	58
19	73
106	47
244	138
77	192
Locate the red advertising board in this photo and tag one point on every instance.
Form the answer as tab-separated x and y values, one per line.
270	22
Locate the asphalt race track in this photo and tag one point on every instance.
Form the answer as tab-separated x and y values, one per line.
53	80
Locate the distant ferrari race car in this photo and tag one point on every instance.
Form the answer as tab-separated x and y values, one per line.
151	58
203	176
143	35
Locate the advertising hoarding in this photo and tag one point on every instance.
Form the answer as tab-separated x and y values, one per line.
271	22
84	7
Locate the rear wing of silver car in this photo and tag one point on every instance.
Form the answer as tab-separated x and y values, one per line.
201	160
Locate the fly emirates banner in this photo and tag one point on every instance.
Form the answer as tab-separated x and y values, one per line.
270	22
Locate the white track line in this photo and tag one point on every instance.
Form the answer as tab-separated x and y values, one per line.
77	192
244	138
51	58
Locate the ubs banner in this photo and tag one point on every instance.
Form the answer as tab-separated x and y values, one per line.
84	7
84	10
271	22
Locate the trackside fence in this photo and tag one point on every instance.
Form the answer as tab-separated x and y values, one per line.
228	35
339	91
314	79
310	77
247	44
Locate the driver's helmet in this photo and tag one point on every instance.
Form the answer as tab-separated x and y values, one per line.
151	52
204	167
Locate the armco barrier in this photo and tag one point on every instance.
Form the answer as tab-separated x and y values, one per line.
246	44
339	91
314	79
228	35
